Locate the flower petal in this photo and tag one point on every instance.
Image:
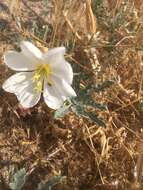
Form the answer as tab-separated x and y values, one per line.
11	83
27	97
19	62
60	67
52	97
30	50
56	94
22	86
63	87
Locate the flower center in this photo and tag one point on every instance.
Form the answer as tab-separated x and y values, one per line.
43	71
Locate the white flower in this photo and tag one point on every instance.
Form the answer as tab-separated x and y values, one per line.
48	73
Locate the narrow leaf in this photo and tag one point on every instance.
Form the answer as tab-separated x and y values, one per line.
18	180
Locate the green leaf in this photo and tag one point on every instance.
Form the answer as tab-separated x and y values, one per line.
62	110
103	86
96	105
84	93
92	116
18	180
96	119
48	185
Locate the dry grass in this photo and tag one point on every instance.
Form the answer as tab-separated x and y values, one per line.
104	39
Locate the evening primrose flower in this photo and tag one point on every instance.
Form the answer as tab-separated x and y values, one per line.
39	73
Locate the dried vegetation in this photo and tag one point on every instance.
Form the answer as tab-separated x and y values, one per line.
92	147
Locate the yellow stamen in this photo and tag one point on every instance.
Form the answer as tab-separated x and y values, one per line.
43	71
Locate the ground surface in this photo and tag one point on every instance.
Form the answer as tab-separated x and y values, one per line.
88	155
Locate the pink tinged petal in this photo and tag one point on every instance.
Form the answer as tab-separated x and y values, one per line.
60	67
23	111
18	61
56	94
22	86
31	51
